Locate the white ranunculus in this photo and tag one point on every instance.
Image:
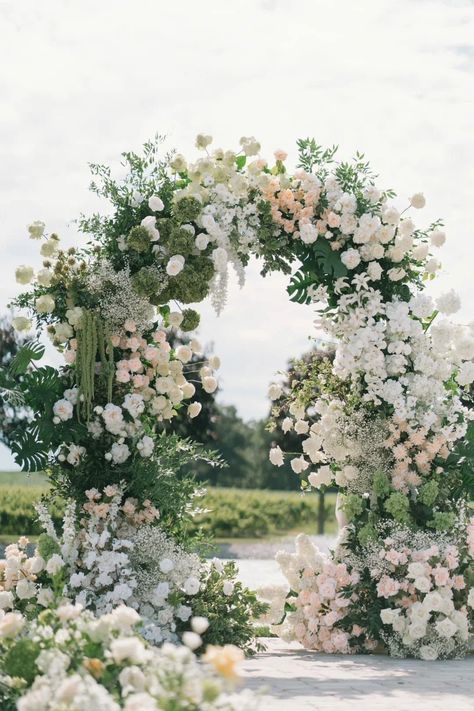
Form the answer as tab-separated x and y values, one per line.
194	409
36	229
24	274
175	265
155	203
191	640
418	201
45	304
22	323
125	617
437	238
350	258
203	141
44	277
276	456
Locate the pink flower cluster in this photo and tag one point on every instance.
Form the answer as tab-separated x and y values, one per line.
292	205
414	451
321	596
100	506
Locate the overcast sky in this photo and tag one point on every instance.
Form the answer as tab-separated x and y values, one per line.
82	81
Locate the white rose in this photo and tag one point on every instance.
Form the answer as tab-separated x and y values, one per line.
350	258
149	223
470	598
301	427
308	233
184	353
45	597
155	203
120	453
421	251
191	585
21	323
25	589
418	201
438	238
391	216
54	564
422	584
446	628
274	391
194	409
175	319
45	304
374	270
201	241
24	274
63	409
428	653
11	624
128	648
276	456
44	277
36	229
125	617
415	570
49	248
396	274
214	361
228	587
188	390
299	464
324	476
175	265
35	564
6	599
178	163
209	384
466	373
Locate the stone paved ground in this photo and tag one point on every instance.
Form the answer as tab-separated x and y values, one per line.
297	680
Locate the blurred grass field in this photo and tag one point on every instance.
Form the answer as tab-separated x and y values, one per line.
244	514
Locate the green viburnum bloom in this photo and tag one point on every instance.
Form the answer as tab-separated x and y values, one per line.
138	239
381	484
165	226
47	546
149	281
442	520
398	505
190	320
187	209
367	534
353	505
429	492
191	284
181	241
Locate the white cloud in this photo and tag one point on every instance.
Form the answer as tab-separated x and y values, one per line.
83	81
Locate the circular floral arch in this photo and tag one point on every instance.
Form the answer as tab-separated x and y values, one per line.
386	422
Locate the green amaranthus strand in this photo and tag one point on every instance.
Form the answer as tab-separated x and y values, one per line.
92	341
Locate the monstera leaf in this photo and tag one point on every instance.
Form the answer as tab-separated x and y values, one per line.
319	262
31	350
298	286
42	387
30	451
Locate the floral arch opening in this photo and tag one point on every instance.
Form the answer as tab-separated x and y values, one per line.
386	422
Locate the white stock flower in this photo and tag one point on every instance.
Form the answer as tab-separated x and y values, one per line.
54	564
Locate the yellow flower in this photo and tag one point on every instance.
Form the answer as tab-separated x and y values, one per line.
224	659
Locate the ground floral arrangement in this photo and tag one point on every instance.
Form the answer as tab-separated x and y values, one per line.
386	420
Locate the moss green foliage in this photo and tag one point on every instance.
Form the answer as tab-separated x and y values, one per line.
398	505
353	505
20	660
138	239
149	281
190	321
442	520
231	615
381	484
191	284
429	492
